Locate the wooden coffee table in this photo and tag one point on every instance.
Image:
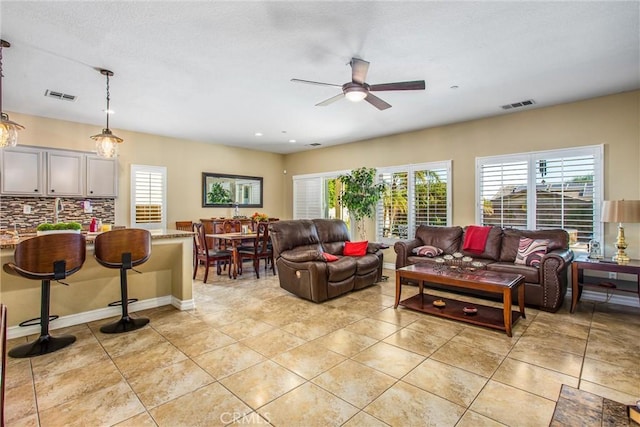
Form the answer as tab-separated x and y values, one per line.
483	280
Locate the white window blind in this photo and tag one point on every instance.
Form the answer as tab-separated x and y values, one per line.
307	197
414	195
148	196
543	190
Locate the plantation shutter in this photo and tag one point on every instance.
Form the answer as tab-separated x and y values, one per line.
393	222
414	195
565	195
543	190
307	197
503	192
430	201
149	196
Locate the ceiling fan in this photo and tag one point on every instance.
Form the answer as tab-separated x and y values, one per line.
357	89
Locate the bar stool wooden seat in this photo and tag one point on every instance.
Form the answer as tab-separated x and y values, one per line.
123	249
46	258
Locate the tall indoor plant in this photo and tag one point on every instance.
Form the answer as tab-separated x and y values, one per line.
360	194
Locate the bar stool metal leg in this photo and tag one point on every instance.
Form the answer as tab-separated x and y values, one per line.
45	342
126	323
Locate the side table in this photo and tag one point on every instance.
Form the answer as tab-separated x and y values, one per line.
583	263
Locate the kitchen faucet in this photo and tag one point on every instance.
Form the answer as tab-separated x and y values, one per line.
57	208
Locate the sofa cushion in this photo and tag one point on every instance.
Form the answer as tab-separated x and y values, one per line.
332	233
492	246
291	234
303	254
366	264
355	248
531	251
558	239
427	250
446	238
531	274
341	269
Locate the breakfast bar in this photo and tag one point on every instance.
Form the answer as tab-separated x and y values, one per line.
165	279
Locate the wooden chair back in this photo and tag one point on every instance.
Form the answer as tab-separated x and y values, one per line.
110	246
35	257
199	241
262	239
184	225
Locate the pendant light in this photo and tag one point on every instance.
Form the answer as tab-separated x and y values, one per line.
8	129
107	142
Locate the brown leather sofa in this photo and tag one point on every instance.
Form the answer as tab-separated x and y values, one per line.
298	247
545	286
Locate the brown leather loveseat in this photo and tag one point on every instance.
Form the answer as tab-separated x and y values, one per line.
299	247
545	284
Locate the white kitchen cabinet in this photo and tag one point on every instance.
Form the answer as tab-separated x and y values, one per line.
22	171
102	177
65	173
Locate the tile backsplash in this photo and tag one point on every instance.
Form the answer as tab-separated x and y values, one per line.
42	210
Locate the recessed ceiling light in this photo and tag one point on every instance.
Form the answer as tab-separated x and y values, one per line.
454	87
258	134
292	141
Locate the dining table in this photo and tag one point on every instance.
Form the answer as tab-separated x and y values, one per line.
235	239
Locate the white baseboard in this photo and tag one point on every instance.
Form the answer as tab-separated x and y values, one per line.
389	265
182	305
101	313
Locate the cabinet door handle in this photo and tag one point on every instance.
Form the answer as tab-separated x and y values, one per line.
91	192
35	191
53	191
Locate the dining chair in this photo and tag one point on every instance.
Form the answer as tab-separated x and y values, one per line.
46	258
261	250
209	257
123	249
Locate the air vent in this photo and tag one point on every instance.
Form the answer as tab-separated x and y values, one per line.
518	104
314	144
59	95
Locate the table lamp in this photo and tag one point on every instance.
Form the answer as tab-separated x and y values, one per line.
621	211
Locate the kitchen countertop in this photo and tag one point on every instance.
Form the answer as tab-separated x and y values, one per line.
9	242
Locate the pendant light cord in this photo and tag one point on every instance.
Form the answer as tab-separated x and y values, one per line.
108	99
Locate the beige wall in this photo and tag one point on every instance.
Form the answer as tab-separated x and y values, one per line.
185	161
611	120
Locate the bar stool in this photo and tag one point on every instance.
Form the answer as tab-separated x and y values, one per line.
46	258
123	249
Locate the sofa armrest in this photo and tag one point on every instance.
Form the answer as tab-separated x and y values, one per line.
403	249
553	277
297	255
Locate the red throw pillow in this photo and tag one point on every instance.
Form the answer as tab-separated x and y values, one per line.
355	248
329	257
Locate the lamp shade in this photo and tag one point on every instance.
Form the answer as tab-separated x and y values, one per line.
621	211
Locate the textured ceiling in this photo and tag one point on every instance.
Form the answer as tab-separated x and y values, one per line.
219	72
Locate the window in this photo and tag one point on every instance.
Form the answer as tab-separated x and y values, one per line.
414	195
148	196
543	190
316	196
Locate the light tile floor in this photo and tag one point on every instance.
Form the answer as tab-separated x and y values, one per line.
251	353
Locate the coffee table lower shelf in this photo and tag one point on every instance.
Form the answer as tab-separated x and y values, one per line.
490	317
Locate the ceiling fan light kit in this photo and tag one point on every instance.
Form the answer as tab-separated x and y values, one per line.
357	89
8	129
107	142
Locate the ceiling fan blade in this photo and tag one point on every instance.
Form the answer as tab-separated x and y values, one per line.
330	100
314	83
414	85
359	70
377	102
